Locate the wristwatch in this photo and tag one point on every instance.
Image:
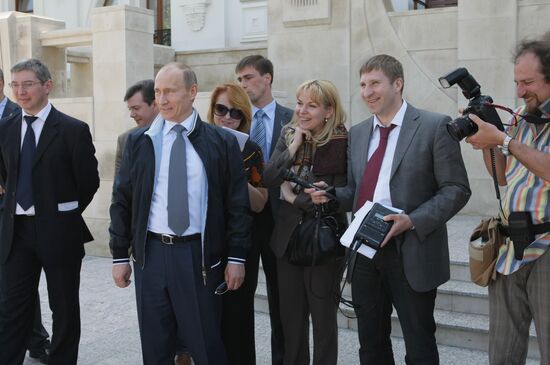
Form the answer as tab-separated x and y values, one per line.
504	148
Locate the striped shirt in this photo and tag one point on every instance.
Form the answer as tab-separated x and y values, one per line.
525	192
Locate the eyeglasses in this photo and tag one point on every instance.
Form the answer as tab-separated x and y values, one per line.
23	86
221	111
221	289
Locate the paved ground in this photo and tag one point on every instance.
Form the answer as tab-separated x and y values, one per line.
110	331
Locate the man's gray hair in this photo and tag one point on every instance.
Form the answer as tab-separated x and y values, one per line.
32	64
189	76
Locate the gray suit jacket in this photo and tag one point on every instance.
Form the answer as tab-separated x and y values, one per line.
428	181
120	145
283	115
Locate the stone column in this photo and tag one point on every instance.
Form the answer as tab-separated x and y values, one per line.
20	39
122	54
122	38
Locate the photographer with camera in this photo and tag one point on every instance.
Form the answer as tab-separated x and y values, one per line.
521	291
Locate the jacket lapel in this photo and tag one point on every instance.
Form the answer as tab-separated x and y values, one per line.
49	131
14	142
408	130
276	128
364	142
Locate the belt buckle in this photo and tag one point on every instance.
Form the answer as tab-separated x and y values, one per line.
167	239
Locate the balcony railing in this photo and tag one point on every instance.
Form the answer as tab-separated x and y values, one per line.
428	4
163	36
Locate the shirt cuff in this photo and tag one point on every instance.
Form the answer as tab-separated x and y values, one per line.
121	261
236	260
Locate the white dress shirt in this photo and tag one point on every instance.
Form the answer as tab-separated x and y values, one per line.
37	127
196	182
382	191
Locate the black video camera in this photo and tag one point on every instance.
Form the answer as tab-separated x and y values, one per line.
479	105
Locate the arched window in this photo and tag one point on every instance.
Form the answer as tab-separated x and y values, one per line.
24	6
161	8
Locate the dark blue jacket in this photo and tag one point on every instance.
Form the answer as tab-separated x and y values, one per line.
226	224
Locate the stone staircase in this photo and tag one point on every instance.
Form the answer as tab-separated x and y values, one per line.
461	307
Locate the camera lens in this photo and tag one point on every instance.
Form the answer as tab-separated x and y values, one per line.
461	128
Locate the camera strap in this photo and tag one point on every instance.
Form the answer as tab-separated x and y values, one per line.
494	170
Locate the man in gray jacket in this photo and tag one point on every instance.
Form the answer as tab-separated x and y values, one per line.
401	157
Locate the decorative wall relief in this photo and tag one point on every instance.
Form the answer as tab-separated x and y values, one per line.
195	13
306	12
254	22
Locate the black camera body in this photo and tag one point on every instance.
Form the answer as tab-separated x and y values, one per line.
479	105
374	228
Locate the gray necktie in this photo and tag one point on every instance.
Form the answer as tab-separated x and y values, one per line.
258	134
178	204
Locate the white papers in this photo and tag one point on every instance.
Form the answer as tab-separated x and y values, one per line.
349	235
241	137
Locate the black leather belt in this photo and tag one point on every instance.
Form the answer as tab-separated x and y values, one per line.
171	239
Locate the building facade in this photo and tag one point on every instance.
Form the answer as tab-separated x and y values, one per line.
97	48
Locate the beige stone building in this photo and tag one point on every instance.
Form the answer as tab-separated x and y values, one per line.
97	48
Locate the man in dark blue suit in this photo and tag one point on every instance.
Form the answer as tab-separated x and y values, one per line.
39	342
255	75
49	173
181	203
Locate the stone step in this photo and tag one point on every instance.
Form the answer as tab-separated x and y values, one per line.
455	295
464	330
460	270
348	346
462	297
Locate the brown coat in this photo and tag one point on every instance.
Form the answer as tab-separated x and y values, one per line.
287	216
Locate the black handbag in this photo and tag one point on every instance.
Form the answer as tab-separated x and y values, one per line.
316	239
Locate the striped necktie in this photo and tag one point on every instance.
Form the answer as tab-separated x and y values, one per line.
259	133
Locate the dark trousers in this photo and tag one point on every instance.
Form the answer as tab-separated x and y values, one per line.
173	303
39	335
269	264
377	284
309	291
18	296
238	315
238	306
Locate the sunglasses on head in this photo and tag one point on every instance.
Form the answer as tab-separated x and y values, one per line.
221	111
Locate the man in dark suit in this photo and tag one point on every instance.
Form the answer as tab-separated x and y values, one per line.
401	157
49	172
140	99
39	342
7	107
255	74
181	202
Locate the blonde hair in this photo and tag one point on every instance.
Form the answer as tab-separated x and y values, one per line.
238	98
324	93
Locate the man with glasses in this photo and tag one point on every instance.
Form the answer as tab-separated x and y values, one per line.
181	202
49	172
521	293
39	342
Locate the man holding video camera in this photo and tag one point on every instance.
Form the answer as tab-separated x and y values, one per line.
521	291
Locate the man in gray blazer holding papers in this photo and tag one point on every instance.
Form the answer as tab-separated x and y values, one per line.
401	157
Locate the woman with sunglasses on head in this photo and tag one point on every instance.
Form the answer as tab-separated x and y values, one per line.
230	108
312	146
